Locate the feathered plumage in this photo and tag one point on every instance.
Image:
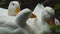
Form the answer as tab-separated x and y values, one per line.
12	10
12	25
40	23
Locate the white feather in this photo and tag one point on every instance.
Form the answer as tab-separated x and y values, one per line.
12	25
39	24
11	9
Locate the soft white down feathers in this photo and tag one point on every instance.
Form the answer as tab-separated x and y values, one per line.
12	25
40	23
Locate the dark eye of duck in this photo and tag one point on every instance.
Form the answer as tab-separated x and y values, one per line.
13	4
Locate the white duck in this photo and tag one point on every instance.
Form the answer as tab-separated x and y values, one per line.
12	10
15	25
35	13
40	24
51	16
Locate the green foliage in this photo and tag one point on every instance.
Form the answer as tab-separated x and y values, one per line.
57	6
1	3
55	28
45	33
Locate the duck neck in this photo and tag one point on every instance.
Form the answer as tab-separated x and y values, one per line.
22	18
22	21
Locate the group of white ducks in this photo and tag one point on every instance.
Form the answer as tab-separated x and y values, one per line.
16	21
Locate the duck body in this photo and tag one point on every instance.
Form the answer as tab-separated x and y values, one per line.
3	11
11	25
38	24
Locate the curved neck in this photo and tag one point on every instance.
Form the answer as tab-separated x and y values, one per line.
22	18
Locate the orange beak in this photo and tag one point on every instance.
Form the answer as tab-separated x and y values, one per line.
17	10
33	16
52	21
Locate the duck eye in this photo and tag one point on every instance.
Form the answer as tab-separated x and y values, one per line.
13	4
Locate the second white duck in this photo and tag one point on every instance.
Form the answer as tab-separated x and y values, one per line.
40	23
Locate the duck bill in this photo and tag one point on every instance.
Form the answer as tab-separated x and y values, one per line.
33	16
17	10
52	21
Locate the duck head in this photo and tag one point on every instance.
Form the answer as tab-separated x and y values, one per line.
51	15
13	8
